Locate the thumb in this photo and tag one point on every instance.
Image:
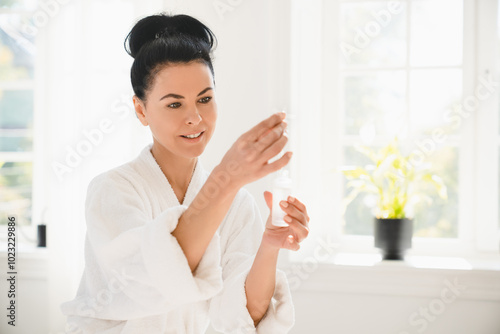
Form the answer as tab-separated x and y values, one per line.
268	196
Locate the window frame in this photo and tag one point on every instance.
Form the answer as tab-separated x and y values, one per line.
488	132
479	237
28	233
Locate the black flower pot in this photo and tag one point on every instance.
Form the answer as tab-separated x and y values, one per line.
393	237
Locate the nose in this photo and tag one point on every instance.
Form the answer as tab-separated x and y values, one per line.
193	117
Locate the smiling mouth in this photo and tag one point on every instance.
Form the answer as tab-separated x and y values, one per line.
193	136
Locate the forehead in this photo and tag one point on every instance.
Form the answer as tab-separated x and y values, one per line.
182	79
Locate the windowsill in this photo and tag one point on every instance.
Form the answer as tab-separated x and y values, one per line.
423	276
355	273
24	249
31	261
422	262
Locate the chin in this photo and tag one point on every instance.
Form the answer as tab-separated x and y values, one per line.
192	153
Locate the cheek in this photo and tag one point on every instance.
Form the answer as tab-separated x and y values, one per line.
213	122
212	116
162	123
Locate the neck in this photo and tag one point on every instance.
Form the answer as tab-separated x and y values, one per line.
177	170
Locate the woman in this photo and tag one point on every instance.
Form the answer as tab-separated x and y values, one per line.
170	247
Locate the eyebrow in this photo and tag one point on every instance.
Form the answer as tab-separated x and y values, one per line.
177	96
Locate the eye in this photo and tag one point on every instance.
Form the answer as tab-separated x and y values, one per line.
205	99
174	105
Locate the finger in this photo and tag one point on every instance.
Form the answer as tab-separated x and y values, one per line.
261	128
299	205
270	137
277	127
301	231
291	243
278	164
275	148
293	211
255	148
269	199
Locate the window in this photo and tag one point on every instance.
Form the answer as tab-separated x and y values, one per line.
401	74
375	70
17	92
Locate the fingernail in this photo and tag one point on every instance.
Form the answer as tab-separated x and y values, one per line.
291	199
288	219
284	204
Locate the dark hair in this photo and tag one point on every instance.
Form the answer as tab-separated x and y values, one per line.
163	39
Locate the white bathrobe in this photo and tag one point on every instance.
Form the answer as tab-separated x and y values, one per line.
137	278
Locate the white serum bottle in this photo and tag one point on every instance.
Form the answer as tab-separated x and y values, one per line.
282	188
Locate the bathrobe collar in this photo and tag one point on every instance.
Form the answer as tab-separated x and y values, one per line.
197	180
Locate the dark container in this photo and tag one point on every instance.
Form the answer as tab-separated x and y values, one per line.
393	237
42	236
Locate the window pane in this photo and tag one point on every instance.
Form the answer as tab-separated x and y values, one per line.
16	109
18	4
439	218
410	103
377	99
11	142
358	215
434	94
16	48
436	32
16	184
16	120
373	33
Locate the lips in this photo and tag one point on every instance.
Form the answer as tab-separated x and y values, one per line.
193	135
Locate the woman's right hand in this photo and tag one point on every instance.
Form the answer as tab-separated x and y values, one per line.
247	160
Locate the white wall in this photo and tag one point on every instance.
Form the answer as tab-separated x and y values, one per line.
332	313
346	300
31	293
250	70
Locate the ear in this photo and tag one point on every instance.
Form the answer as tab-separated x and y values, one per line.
140	110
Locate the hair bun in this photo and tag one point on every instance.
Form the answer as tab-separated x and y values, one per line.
166	26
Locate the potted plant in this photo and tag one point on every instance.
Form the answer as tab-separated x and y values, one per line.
399	185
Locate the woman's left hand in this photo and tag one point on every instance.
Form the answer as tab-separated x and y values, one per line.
296	217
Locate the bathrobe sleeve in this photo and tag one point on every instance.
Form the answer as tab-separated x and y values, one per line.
228	312
141	253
